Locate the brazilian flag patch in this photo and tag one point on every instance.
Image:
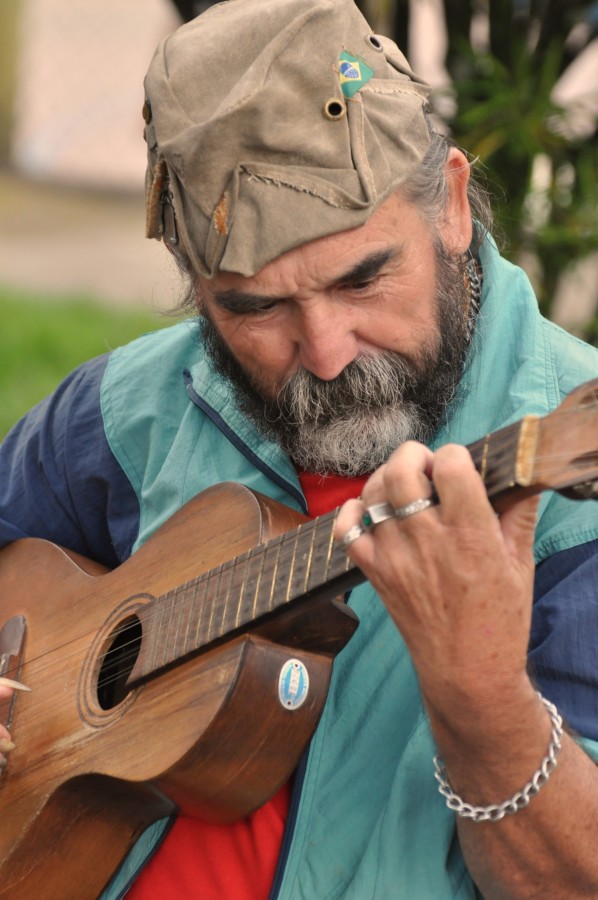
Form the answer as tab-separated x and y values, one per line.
353	73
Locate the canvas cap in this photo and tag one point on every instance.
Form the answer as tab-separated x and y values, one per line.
271	123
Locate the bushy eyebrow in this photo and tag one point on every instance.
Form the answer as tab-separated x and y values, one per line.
367	268
237	301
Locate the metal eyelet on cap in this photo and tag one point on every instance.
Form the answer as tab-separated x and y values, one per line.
335	109
374	42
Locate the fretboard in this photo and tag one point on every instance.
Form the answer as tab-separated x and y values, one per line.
300	564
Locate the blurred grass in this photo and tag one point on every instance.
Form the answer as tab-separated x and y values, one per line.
42	340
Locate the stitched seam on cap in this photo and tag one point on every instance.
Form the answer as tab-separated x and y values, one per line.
302	189
389	89
365	164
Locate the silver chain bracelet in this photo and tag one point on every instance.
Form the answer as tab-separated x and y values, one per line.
519	800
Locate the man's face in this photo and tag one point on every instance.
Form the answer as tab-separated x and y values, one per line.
346	346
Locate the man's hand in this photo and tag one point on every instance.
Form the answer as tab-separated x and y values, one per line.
7	688
456	579
458	582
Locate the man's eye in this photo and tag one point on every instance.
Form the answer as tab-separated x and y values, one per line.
258	309
265	307
361	285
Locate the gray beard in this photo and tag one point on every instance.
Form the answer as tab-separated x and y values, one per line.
351	424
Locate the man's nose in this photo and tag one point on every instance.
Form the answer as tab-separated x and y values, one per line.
327	341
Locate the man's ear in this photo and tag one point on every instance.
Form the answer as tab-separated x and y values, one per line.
456	227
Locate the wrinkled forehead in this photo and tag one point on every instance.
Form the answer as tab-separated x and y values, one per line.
323	259
356	254
272	123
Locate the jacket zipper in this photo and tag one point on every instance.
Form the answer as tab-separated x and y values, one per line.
234	438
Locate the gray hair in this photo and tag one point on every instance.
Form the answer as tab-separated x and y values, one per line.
427	189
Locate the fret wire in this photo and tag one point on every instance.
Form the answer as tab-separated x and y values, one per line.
227	570
178	618
213	574
243	585
319	557
275	572
171	631
252	580
484	461
302	564
309	557
173	628
199	605
496	449
189	596
501	438
222	603
280	575
163	629
166	635
156	632
258	584
292	564
290	552
331	546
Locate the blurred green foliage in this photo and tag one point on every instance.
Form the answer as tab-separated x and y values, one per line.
504	114
42	340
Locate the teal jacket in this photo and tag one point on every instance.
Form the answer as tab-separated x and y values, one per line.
390	835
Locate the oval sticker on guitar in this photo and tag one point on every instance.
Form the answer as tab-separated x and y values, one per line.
293	684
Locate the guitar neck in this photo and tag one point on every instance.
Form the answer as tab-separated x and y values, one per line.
306	562
298	565
505	459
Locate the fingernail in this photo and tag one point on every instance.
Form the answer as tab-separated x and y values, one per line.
15	685
6	746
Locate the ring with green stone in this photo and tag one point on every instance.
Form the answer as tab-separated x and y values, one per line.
376	514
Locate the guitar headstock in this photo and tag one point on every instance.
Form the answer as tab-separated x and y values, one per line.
566	452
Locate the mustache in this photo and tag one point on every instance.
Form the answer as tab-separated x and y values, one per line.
370	381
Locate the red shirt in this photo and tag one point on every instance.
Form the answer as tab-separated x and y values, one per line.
238	861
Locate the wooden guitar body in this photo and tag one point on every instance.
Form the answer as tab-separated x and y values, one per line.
159	686
207	735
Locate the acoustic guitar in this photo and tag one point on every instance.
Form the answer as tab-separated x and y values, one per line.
192	677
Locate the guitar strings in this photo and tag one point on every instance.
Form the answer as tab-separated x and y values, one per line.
159	610
166	603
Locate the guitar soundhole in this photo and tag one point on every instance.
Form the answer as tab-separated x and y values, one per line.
123	649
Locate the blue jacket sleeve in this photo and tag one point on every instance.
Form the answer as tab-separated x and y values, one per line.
562	655
59	479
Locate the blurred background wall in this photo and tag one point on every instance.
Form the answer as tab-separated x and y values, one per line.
516	83
72	155
78	74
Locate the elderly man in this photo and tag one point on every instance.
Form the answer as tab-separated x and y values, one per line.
356	320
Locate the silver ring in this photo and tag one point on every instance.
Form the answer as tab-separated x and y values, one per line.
403	512
380	512
354	532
